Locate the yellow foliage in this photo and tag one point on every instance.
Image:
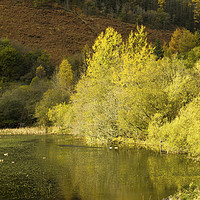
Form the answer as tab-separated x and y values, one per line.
196	11
107	50
126	92
161	4
40	72
65	75
60	115
197	66
182	134
182	41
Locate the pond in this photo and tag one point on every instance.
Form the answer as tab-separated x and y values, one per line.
64	168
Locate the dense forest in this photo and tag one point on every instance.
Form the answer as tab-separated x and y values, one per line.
117	90
155	13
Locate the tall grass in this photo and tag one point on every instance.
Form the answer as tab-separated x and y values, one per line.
26	131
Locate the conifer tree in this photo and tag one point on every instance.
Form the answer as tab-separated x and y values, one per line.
158	50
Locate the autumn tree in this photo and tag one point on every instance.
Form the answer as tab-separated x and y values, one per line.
142	94
119	94
60	115
57	94
49	99
161	4
192	57
196	4
65	76
128	92
182	41
95	104
40	72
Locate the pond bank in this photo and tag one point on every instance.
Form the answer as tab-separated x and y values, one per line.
158	146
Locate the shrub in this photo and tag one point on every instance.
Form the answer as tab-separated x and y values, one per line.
193	56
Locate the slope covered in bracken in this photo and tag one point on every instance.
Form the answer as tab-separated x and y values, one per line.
57	31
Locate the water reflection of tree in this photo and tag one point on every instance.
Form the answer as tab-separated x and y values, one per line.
80	173
171	171
102	174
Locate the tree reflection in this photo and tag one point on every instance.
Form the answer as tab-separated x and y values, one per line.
72	172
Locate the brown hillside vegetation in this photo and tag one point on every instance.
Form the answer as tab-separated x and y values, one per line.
59	32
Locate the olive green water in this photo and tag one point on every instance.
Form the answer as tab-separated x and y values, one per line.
63	168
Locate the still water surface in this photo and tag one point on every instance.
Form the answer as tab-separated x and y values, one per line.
64	168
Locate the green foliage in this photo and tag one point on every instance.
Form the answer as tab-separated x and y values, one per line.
182	134
11	62
158	50
4	43
19	63
78	64
181	91
36	58
60	115
193	56
17	104
50	98
11	111
37	89
57	94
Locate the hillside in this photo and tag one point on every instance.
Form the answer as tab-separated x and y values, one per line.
59	32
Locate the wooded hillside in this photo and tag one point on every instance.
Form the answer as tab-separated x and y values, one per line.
59	32
157	13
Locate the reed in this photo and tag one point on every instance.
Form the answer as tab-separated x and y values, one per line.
25	131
